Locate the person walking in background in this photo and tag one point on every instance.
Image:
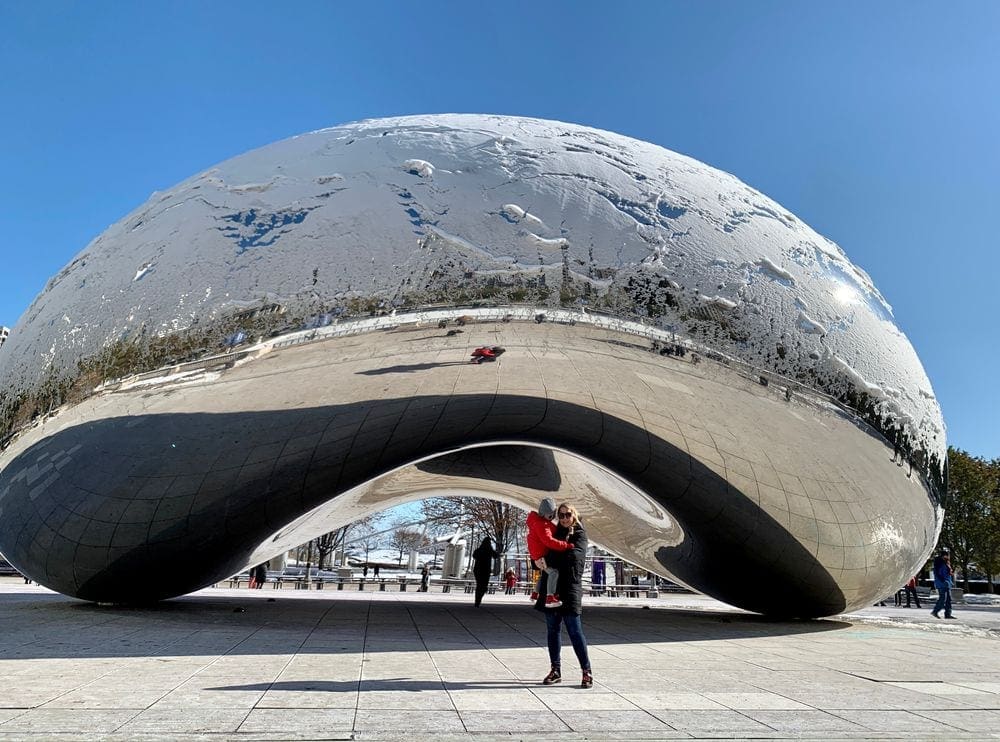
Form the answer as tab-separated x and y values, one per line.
510	580
425	579
260	575
571	565
375	570
540	543
482	566
911	591
943	583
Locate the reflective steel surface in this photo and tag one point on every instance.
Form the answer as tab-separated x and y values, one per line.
690	468
281	344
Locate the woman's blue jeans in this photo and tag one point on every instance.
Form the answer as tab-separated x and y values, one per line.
574	627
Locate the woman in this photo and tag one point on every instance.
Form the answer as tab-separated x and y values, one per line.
482	567
570	565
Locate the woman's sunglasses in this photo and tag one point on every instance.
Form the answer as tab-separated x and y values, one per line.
565	515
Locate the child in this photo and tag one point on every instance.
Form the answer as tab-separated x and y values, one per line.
540	542
510	580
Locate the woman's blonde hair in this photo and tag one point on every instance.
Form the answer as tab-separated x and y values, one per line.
571	509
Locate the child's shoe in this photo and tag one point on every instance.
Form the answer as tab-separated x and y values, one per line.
552	601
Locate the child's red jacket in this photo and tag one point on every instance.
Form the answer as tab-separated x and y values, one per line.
540	538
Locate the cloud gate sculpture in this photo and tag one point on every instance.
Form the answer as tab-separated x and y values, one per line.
282	344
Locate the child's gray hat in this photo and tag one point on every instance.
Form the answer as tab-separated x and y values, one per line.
547	507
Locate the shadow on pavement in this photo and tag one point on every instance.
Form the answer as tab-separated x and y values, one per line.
54	626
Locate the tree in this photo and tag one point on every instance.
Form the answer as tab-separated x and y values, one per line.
988	555
404	537
500	521
969	528
326	544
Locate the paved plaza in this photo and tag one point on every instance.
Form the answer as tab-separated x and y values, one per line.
290	665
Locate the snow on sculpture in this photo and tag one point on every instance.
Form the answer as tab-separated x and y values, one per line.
409	213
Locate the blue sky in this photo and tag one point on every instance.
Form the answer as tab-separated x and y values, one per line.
875	123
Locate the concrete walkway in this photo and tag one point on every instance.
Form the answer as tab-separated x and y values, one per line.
287	665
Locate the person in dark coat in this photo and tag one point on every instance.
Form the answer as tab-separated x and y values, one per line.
260	575
482	566
571	566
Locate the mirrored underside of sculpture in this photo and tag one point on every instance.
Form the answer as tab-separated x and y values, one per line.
470	306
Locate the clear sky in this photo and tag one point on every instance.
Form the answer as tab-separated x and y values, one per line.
875	123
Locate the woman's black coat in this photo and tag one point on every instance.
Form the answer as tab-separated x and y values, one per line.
571	565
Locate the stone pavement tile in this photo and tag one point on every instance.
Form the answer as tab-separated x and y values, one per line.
428	700
780	664
880	696
180	721
964	694
21	697
314	671
56	721
799	721
473	700
107	698
211	698
371	720
742	701
312	723
511	720
384	680
895	721
709	682
8	714
592	699
699	722
674	701
968	721
985	686
582	720
308	699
